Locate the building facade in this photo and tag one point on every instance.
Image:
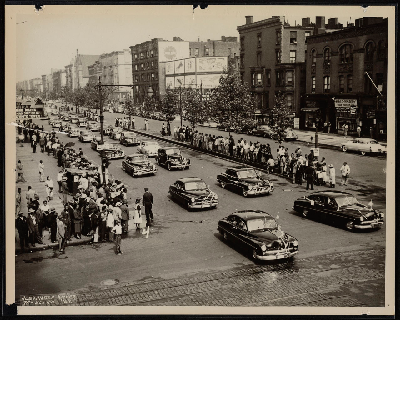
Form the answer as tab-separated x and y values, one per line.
346	78
272	60
148	66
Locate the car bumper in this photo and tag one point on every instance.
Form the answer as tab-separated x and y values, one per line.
260	191
144	172
205	204
277	255
369	225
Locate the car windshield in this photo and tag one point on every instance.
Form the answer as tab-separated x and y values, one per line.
247	173
173	151
260	224
135	158
150	144
346	201
373	142
199	185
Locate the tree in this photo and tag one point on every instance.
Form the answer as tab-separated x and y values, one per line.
149	105
92	96
280	116
231	103
78	98
194	107
130	108
169	105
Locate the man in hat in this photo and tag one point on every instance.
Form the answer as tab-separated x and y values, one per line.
61	234
64	188
52	224
148	205
345	170
124	217
22	228
33	228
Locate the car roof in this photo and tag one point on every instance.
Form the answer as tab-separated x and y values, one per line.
333	193
241	168
170	147
190	179
251	214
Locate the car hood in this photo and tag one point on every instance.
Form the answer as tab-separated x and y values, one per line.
174	157
141	163
198	193
270	235
358	209
255	181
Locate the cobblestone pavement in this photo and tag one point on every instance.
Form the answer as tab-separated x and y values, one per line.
348	279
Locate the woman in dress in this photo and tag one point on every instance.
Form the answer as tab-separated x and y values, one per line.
137	217
49	188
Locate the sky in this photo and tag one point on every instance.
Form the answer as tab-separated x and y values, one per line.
50	38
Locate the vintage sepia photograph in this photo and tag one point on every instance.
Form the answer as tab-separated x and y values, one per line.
200	160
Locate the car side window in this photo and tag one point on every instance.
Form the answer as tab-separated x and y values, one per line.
232	219
331	203
242	225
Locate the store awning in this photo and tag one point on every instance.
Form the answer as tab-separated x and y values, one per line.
310	109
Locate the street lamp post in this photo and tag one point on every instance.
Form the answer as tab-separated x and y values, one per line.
101	112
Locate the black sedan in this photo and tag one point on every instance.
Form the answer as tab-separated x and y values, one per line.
193	193
246	181
339	208
258	233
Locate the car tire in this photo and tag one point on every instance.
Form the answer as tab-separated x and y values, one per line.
223	184
304	213
350	226
344	148
169	166
225	235
245	193
254	255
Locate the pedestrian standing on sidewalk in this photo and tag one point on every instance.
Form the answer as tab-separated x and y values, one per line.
77	222
65	190
30	195
331	176
345	170
20	172
59	180
110	223
137	217
33	228
124	217
117	231
41	171
41	143
345	129
49	188
148	205
61	234
23	233
358	131
18	201
310	177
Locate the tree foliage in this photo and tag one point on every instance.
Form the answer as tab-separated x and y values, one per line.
231	103
170	104
195	108
280	116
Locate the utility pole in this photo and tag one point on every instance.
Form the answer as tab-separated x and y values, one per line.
180	102
101	112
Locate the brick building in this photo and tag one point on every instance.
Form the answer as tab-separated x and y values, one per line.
272	60
346	78
148	65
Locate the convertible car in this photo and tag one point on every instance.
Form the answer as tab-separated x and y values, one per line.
258	233
246	181
339	208
364	146
171	158
193	193
150	148
138	165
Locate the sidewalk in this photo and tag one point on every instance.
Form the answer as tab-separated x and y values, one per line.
30	162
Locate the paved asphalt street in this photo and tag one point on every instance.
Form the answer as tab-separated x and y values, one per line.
187	258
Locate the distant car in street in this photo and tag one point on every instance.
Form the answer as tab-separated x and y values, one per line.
340	209
193	193
91	124
115	133
85	136
82	123
150	148
56	123
74	133
258	234
364	146
129	139
171	158
245	181
74	120
263	131
289	135
138	165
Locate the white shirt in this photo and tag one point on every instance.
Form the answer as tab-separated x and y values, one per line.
117	229
345	170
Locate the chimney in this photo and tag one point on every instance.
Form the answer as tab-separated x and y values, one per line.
320	22
305	22
249	19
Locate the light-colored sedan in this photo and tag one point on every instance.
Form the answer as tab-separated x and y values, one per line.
74	133
364	146
150	148
86	136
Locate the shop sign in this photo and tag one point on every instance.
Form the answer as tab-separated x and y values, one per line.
345	103
316	151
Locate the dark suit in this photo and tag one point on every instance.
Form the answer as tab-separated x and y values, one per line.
148	206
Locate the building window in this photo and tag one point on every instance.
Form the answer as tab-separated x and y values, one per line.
289	78
151	53
136	78
292	56
313	84
268	75
259	39
346	54
136	67
313	56
142	66
327	54
258	59
367	84
278	78
379	81
349	83
293	37
206	51
196	52
289	101
278	36
241	61
141	55
307	33
143	77
341	84
278	56
190	52
327	84
135	56
259	79
369	52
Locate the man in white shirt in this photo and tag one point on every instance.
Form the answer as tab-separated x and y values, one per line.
345	170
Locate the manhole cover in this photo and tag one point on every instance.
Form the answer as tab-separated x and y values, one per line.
109	282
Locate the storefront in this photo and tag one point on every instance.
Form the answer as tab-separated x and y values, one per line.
346	115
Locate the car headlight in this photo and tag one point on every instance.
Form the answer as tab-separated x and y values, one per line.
192	200
295	243
263	247
361	219
382	215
